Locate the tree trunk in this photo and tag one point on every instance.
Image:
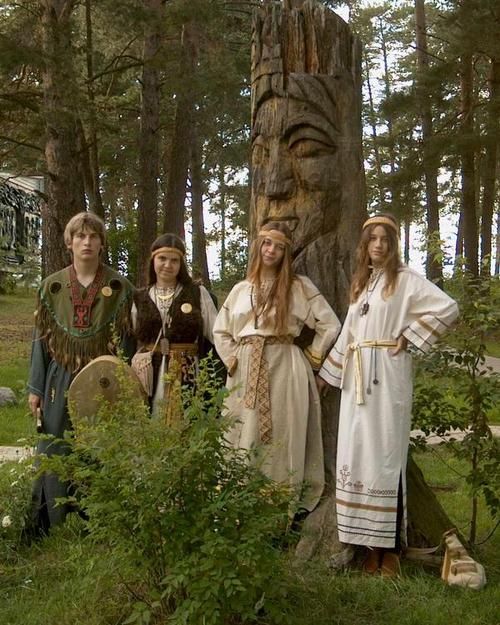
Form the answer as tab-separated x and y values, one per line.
468	198
65	189
376	152
395	195
175	197
222	202
149	141
434	269
490	166
93	187
426	523
200	264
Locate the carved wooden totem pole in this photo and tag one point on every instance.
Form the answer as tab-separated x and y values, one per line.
307	166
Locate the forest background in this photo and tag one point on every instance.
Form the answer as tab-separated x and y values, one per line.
139	110
143	106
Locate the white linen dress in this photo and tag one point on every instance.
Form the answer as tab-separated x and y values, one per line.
373	435
295	451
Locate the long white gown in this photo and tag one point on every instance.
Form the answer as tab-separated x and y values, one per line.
295	453
373	436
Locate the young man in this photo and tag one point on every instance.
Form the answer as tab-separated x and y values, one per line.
80	309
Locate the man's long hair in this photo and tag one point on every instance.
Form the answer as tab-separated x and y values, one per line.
363	268
279	296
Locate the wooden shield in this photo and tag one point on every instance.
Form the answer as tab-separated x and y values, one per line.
106	378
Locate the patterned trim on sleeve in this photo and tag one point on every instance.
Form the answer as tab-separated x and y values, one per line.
424	332
331	371
313	357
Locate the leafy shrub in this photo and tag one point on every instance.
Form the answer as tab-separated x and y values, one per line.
455	389
16	480
194	519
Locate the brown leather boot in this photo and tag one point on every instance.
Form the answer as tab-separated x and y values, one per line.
390	566
371	563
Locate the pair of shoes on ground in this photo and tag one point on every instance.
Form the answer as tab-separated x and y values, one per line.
385	562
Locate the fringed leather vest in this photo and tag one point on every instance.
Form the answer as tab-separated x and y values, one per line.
186	325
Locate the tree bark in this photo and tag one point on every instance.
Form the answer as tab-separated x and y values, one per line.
376	151
200	263
175	197
149	140
491	166
93	184
65	189
434	269
468	165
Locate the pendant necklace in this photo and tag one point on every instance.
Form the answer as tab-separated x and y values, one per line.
370	287
164	297
258	308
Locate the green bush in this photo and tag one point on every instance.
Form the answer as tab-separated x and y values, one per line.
455	389
15	497
194	518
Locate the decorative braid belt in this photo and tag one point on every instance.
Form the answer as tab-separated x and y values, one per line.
257	387
354	349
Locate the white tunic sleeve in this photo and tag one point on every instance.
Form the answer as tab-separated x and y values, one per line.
208	313
224	333
332	368
321	319
430	312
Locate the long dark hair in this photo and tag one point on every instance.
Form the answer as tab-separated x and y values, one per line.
280	293
392	263
169	240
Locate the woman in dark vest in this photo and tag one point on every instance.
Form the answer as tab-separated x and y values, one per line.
171	316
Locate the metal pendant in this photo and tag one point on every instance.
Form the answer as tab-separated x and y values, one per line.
364	309
164	346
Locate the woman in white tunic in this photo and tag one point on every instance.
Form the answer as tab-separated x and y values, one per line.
274	400
391	305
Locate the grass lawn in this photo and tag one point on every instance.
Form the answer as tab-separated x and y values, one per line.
65	579
16	324
68	580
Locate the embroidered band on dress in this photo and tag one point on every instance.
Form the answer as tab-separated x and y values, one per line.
257	384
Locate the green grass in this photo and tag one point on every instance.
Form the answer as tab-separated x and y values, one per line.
16	322
65	579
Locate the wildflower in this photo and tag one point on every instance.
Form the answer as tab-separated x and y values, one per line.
6	521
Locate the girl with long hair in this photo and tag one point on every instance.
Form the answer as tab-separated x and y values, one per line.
171	316
273	398
391	305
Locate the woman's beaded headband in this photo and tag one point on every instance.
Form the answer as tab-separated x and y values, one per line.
385	221
166	250
276	235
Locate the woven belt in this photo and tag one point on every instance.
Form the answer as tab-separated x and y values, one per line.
190	349
257	387
355	349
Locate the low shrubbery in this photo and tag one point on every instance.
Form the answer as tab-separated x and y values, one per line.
454	389
190	516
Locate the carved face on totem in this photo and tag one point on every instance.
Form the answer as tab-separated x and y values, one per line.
297	149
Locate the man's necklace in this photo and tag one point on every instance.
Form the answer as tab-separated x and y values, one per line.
370	287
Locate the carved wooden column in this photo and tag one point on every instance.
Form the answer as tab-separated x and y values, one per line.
307	168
